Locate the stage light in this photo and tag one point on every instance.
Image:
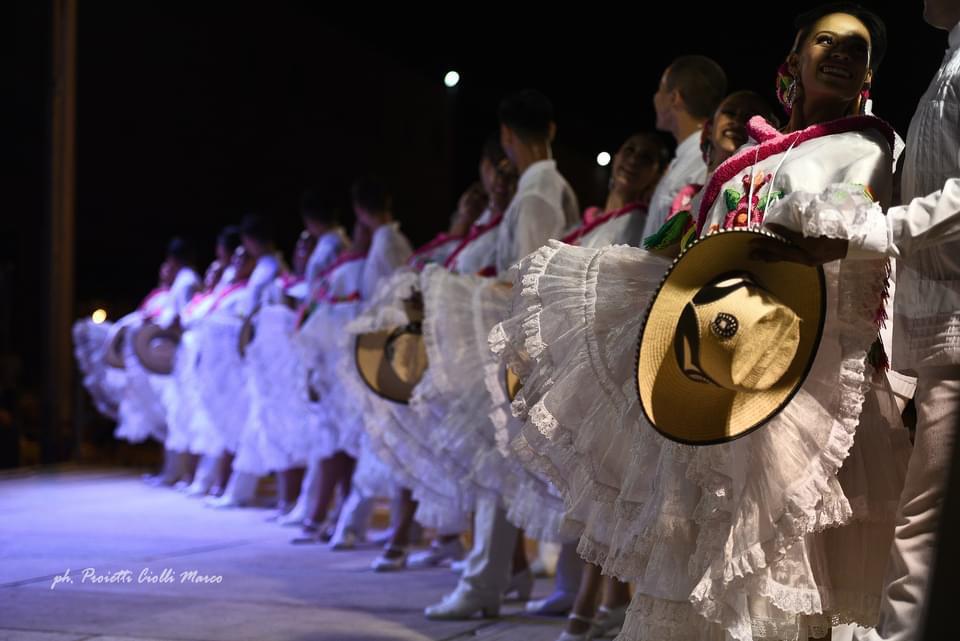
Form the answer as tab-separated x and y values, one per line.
451	79
603	159
98	316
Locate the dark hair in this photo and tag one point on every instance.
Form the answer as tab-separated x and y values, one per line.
257	227
660	144
528	113
492	150
313	207
874	24
371	194
229	238
181	249
761	105
701	82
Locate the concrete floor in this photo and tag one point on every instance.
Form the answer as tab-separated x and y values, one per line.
57	521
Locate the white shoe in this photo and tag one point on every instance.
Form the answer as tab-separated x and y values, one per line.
555	605
459	566
437	554
225	502
582	636
296	516
346	541
462	604
521	584
608	622
196	489
384	563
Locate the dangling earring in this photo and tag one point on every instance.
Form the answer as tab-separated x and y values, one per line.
786	88
865	100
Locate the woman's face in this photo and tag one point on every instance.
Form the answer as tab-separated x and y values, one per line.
167	273
301	252
243	264
470	206
223	254
635	166
833	61
729	129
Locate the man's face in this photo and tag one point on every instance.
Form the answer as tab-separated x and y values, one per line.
662	104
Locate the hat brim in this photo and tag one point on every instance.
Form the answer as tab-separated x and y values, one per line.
156	348
377	370
113	356
512	383
696	413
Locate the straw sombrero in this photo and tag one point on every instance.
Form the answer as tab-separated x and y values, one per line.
512	383
156	347
728	340
392	362
113	356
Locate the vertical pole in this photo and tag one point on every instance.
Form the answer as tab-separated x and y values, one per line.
58	386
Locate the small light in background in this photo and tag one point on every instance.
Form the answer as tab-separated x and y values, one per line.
451	79
603	159
98	316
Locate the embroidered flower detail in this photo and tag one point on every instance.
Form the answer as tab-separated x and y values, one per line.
743	214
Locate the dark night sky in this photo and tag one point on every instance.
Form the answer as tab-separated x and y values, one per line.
190	114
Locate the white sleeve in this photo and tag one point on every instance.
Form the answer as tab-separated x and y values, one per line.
261	278
537	221
925	222
390	250
846	209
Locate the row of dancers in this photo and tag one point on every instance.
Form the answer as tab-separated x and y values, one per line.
491	378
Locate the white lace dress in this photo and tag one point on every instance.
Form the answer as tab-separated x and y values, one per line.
726	539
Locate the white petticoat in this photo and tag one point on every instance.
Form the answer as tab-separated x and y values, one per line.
327	353
221	385
186	415
142	411
714	537
400	436
276	433
104	383
472	437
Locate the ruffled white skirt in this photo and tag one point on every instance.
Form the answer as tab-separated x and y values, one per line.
142	410
721	539
221	385
104	383
277	428
466	388
326	351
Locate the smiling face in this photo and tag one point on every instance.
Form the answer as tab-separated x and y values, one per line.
243	263
832	61
635	167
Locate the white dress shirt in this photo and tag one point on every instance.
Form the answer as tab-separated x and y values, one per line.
544	207
184	286
389	249
686	168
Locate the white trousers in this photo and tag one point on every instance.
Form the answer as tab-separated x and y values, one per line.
490	562
913	554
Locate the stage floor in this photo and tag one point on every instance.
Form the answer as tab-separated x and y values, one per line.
98	555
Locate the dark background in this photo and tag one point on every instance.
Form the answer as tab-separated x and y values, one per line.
191	114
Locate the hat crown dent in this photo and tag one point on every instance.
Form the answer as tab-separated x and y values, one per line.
762	345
